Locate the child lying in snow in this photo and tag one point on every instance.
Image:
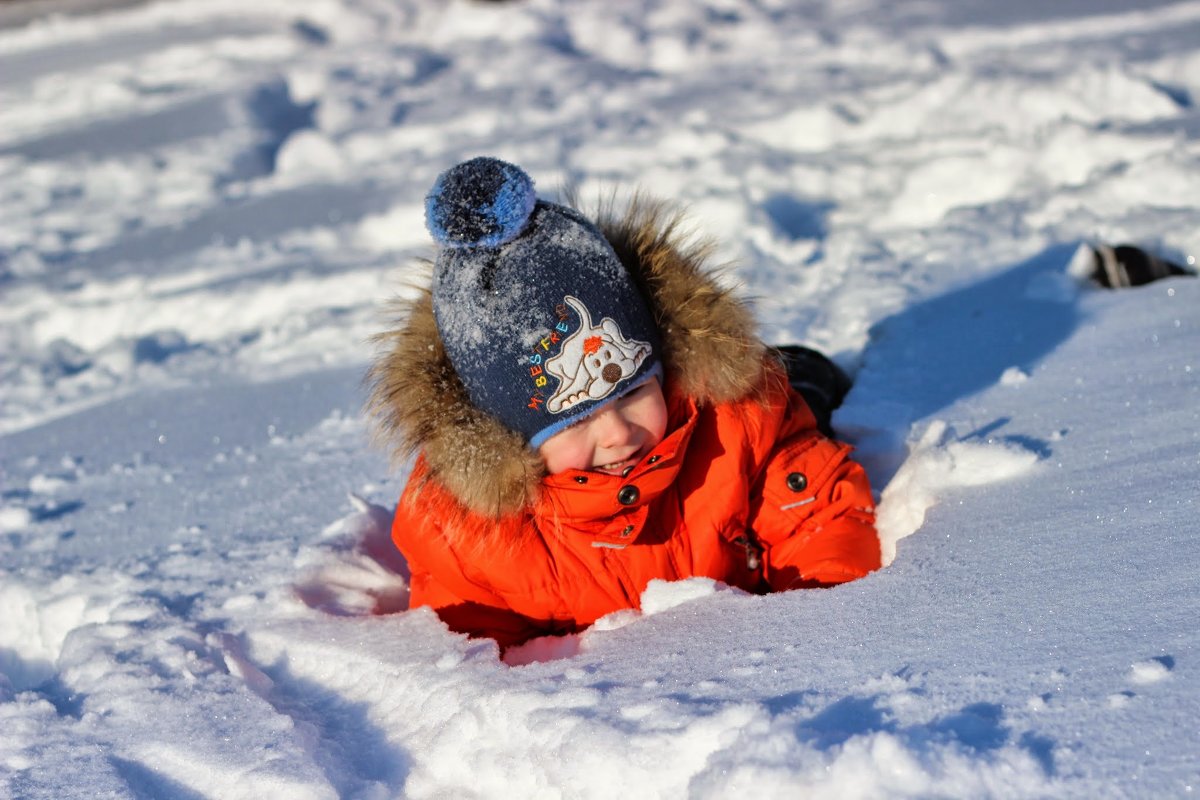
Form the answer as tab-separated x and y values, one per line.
592	411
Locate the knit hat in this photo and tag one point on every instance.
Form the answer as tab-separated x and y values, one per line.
539	317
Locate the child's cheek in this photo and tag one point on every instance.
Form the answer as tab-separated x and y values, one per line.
564	451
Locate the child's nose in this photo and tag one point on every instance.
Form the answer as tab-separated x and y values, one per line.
614	428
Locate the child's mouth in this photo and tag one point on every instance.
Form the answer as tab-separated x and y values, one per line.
619	467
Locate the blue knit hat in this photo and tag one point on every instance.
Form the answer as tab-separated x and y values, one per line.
538	315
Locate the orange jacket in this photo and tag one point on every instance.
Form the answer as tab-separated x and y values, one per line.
746	492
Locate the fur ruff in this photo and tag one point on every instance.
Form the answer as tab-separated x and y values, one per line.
710	351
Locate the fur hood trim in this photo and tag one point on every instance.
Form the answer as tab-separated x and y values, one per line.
710	352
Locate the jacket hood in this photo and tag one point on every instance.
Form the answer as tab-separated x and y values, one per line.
710	352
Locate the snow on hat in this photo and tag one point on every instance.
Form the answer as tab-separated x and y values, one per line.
538	315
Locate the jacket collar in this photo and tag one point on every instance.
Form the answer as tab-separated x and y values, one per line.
605	506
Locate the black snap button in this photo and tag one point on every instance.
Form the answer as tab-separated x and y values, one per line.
797	482
654	459
628	530
628	495
581	478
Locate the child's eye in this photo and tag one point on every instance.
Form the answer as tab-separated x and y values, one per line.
637	391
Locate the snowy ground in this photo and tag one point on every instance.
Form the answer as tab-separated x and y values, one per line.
206	204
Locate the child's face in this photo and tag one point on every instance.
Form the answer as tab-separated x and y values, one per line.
614	438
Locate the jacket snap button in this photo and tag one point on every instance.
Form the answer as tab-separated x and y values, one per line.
581	478
628	530
796	481
653	459
628	495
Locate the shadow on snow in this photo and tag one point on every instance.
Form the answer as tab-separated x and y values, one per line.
926	357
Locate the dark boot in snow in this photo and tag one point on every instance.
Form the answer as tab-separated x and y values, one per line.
1125	265
821	382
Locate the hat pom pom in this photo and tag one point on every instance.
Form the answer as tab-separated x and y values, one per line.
484	202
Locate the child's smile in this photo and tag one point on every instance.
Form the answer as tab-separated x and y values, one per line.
624	465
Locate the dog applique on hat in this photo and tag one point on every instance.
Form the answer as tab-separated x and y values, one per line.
539	317
593	360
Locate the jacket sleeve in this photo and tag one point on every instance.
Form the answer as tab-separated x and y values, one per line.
472	617
439	580
812	510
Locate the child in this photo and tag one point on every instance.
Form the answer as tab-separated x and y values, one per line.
591	411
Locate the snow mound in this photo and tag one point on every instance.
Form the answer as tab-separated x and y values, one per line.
355	569
868	766
39	618
1151	670
937	464
659	596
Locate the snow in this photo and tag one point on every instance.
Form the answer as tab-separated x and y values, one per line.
208	204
